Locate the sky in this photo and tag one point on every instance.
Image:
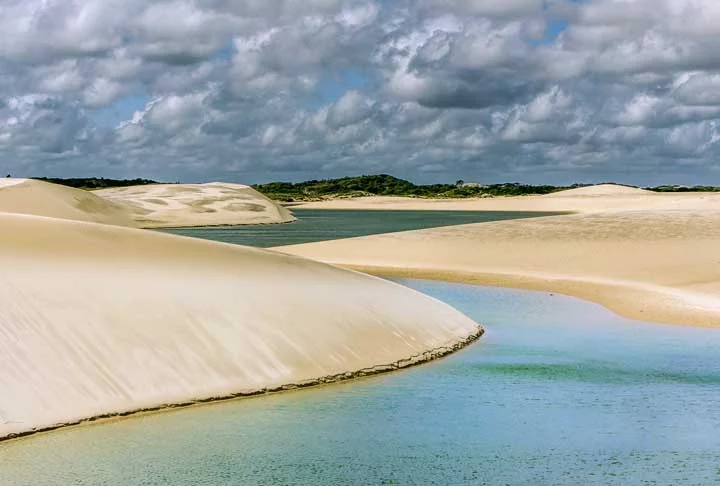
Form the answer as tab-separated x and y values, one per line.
534	91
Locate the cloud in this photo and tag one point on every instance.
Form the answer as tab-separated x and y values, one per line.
542	91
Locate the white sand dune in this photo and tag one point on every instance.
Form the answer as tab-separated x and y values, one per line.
152	206
7	182
656	265
592	199
98	320
28	196
212	204
601	190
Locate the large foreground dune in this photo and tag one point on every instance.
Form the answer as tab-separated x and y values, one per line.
217	203
590	199
657	265
97	320
151	206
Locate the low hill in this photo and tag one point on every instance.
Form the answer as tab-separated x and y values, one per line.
387	185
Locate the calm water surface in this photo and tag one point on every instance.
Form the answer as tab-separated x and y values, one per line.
323	224
559	391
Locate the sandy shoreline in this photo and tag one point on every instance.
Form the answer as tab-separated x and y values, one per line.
427	356
653	261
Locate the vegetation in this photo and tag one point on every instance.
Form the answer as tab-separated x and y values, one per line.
685	189
387	185
96	182
371	185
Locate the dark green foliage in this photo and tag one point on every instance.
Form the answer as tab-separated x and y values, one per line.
684	189
96	182
387	185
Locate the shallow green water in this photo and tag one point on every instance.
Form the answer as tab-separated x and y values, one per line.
558	391
322	224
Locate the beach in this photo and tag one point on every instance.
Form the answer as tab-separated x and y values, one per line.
643	255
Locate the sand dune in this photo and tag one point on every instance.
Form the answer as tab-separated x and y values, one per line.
661	266
7	182
175	205
154	206
590	199
97	319
27	196
601	190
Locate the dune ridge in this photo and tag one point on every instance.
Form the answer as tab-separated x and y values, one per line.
98	320
28	196
152	206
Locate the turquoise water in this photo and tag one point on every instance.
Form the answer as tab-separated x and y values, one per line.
321	225
558	391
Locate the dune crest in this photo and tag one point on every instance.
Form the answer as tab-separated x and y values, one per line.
8	181
99	320
29	196
601	190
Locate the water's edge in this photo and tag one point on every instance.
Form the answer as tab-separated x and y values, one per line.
414	360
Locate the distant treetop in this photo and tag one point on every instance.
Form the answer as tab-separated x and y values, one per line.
96	182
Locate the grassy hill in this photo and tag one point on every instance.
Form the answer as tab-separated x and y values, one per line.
387	185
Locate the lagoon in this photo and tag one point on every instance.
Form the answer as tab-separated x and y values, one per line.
323	224
558	391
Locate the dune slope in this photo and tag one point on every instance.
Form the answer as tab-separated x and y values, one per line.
98	320
28	196
152	206
175	205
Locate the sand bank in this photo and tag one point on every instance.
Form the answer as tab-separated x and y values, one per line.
654	265
153	206
212	204
600	198
98	320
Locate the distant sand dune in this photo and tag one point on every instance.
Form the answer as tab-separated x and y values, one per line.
174	205
592	199
98	319
601	190
152	206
